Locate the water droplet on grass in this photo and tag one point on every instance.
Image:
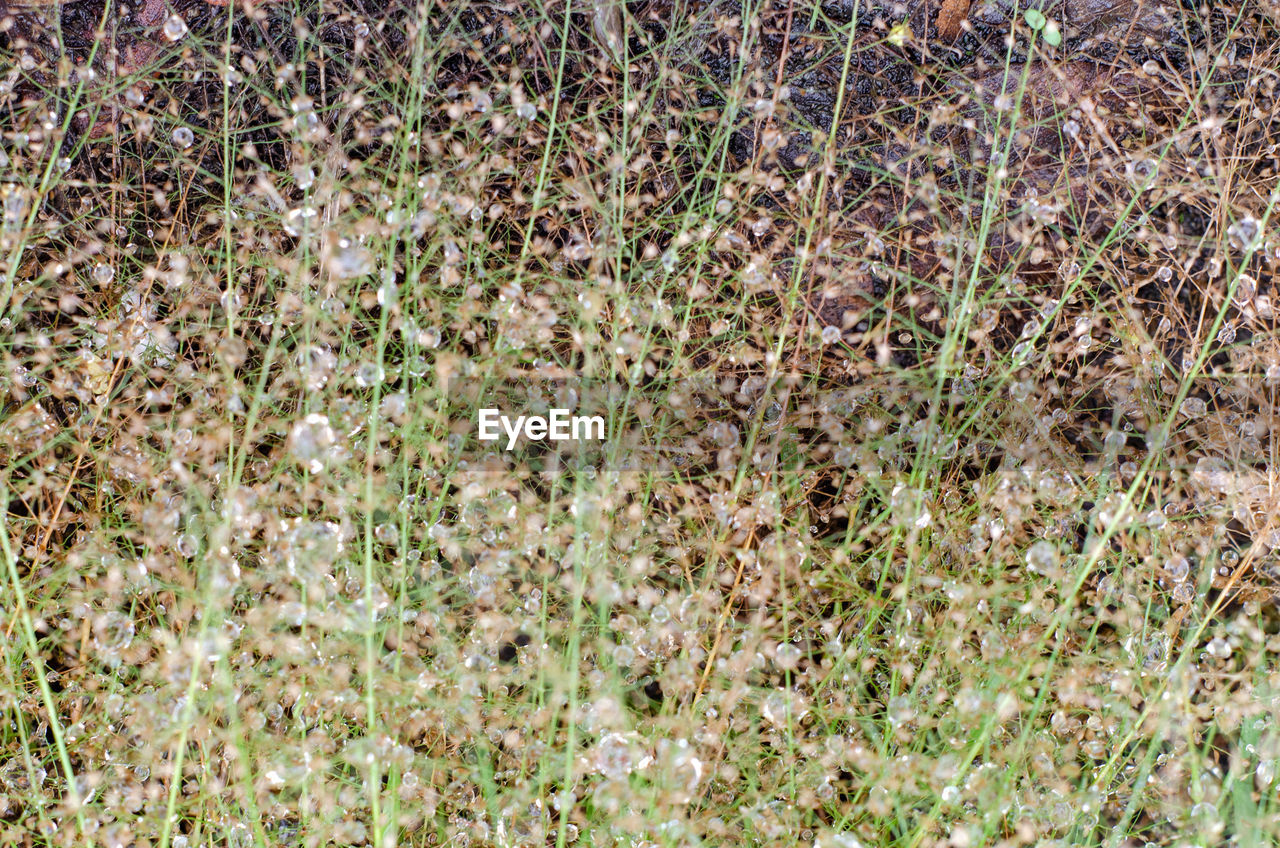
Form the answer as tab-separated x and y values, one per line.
304	177
1244	233
387	293
1115	440
1144	169
1246	289
112	632
1042	557
305	119
175	27
1219	647
624	656
369	374
429	337
103	274
1266	772
15	208
788	656
187	545
349	260
613	757
183	137
296	221
1194	407
312	440
315	364
901	710
394	406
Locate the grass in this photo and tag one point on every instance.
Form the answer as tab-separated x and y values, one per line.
936	508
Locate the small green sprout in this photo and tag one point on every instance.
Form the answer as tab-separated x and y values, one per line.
1039	23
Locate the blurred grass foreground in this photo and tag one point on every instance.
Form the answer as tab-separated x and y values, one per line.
937	348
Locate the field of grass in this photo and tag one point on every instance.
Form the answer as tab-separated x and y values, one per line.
939	502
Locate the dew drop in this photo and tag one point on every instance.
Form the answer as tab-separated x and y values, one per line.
304	177
1244	233
613	757
187	545
1246	290
113	631
1144	169
1266	772
369	374
312	440
175	27
350	260
624	656
296	221
1042	557
788	656
429	337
